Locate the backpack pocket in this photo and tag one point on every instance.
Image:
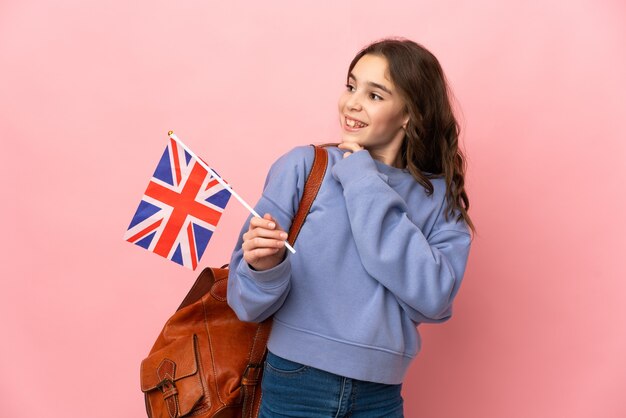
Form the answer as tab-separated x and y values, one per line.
171	379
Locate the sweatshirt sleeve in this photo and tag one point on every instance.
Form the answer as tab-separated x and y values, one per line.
256	295
423	273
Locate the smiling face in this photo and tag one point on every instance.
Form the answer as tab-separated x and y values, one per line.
372	111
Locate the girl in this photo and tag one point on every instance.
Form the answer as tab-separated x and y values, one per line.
383	249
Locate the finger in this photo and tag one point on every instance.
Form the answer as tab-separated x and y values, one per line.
262	231
350	146
346	154
265	233
273	222
266	222
256	255
261	243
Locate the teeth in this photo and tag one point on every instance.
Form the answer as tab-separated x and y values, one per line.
354	124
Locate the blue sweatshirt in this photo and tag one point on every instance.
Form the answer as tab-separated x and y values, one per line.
374	259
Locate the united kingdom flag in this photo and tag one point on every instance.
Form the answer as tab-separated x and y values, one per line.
179	210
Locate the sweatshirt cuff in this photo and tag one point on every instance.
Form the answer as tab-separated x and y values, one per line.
276	276
355	167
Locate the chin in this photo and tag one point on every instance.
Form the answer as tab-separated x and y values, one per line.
350	139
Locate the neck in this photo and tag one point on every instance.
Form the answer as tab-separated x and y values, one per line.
389	156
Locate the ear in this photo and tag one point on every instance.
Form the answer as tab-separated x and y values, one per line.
405	122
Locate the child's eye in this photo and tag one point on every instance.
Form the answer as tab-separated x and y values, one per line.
375	96
350	87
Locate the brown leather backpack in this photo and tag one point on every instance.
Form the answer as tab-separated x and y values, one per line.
206	362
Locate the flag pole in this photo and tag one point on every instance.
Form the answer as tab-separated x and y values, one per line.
172	135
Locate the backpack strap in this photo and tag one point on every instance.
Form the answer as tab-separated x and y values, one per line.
311	187
250	378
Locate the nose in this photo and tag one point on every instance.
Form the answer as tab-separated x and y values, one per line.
353	102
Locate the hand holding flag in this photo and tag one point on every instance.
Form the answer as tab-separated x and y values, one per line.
181	207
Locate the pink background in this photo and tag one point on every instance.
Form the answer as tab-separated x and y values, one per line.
88	91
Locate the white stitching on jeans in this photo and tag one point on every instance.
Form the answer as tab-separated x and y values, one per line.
343	387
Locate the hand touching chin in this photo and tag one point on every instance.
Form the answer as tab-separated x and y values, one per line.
350	147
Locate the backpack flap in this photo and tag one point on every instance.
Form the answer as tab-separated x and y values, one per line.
170	378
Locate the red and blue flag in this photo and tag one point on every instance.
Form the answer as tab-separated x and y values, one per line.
180	208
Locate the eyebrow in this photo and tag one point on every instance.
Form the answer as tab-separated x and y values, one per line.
371	83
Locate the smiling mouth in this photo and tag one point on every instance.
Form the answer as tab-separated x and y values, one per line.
354	123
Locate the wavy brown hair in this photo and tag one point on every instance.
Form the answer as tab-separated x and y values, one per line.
431	143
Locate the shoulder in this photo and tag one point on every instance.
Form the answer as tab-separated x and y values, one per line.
288	174
432	209
299	153
447	219
284	184
297	159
